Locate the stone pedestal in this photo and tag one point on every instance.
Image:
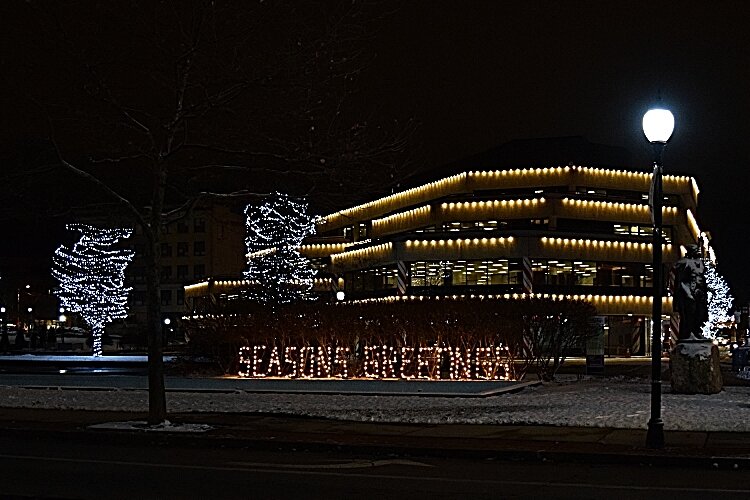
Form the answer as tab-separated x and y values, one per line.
695	368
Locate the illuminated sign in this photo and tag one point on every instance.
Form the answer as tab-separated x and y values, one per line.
377	362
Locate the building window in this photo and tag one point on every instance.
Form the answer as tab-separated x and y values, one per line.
380	278
481	272
427	273
166	272
628	274
138	298
586	273
199	225
182	227
138	273
166	250
166	297
199	248
180	297
199	270
495	225
363	232
642	231
464	273
182	249
182	272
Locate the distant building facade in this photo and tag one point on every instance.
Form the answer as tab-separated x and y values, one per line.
210	242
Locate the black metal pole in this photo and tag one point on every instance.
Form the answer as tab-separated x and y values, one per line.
655	435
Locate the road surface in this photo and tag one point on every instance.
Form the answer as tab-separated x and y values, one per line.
61	468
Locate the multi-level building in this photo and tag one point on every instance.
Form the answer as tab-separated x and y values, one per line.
560	231
208	243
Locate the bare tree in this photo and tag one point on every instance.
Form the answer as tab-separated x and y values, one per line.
552	330
162	105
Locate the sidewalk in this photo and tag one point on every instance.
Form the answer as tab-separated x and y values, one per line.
539	442
594	420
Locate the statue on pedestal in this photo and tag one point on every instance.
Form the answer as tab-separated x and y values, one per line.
694	361
690	299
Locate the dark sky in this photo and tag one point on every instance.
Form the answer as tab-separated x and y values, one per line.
478	74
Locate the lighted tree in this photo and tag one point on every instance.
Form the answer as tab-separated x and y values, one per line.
92	277
719	300
275	230
201	101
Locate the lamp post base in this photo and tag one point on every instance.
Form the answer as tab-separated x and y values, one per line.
655	435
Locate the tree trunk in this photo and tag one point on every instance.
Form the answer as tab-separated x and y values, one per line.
157	400
96	336
157	404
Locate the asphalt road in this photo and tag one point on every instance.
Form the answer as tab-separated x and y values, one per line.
59	468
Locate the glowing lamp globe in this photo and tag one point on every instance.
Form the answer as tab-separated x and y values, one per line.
658	125
340	295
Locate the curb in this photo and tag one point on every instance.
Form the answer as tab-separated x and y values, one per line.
526	451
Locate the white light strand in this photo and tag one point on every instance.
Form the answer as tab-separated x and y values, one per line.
275	231
719	300
92	277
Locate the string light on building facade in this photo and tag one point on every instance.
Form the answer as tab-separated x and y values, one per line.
499	179
91	277
275	231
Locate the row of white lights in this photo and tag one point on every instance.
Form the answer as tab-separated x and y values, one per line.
558	170
515	296
495	173
610	204
494	203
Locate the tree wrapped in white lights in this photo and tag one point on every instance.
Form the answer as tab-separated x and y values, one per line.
275	230
719	300
92	277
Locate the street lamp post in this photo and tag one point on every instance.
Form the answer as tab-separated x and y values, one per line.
4	342
658	125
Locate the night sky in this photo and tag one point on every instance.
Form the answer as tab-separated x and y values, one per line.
475	75
479	74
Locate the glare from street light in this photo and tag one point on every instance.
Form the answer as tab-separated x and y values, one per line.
658	125
167	321
340	295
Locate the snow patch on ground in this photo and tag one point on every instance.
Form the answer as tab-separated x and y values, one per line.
165	426
614	402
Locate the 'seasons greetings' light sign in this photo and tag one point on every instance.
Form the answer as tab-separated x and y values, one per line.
377	362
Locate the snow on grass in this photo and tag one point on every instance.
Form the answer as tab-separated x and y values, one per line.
140	425
618	403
